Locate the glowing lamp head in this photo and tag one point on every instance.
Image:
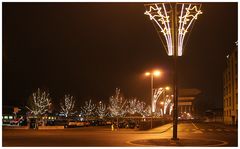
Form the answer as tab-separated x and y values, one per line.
156	73
147	74
161	102
167	88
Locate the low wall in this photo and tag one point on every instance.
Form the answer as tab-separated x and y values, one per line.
50	127
15	127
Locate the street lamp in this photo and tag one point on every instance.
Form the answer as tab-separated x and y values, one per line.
173	22
155	73
152	74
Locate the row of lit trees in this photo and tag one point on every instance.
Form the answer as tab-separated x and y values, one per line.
118	106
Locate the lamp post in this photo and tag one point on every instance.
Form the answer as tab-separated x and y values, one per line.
152	74
173	22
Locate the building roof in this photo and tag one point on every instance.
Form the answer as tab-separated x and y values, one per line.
192	92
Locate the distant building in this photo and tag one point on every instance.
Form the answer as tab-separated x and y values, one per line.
230	88
186	106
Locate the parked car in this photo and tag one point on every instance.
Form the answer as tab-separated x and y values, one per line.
57	123
131	125
87	123
108	123
101	123
71	123
80	123
122	125
16	121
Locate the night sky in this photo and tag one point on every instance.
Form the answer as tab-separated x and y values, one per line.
89	49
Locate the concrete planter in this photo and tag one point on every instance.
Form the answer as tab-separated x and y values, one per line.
50	127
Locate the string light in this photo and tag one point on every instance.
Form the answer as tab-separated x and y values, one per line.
162	20
161	16
185	21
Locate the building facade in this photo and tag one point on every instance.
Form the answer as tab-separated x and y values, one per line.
186	107
230	88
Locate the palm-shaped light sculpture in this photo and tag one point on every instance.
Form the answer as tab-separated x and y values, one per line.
173	23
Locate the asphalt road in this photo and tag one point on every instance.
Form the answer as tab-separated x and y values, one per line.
190	134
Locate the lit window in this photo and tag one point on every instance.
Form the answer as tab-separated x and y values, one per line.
5	117
10	117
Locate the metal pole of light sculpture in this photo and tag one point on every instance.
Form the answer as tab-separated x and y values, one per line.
173	22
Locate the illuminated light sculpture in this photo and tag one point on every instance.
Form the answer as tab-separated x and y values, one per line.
101	110
170	108
172	30
166	104
164	99
156	95
68	105
88	108
160	14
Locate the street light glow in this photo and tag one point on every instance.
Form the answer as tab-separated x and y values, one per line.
156	73
167	88
147	74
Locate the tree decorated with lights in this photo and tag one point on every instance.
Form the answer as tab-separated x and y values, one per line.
39	103
68	105
146	111
117	105
101	110
133	106
88	108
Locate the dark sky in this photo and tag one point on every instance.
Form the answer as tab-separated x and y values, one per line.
89	49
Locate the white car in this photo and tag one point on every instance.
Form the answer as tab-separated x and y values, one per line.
71	124
80	124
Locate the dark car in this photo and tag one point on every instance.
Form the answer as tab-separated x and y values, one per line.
131	125
101	123
122	125
57	123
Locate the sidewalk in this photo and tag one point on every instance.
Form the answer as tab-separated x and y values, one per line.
223	126
162	128
187	142
180	143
